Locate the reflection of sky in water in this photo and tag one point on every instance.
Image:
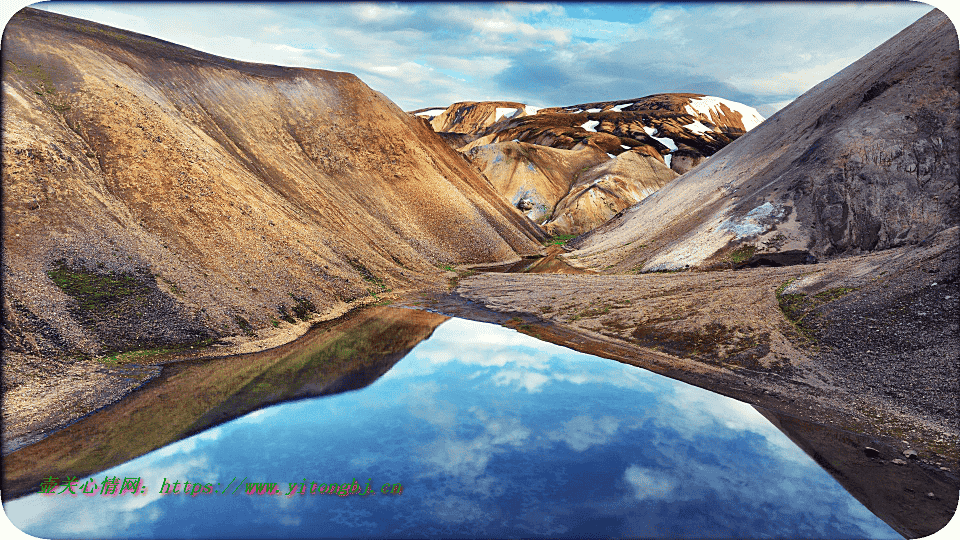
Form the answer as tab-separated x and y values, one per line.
491	433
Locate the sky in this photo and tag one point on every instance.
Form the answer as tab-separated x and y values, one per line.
541	54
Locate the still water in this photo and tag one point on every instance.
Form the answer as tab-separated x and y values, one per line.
490	433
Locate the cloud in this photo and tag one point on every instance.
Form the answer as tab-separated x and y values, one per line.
763	55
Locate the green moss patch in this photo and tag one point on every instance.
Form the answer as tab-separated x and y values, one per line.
742	253
94	291
800	308
559	239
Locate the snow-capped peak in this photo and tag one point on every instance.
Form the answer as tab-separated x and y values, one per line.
708	106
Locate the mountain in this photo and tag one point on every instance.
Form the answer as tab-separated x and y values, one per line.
155	195
470	117
866	160
669	133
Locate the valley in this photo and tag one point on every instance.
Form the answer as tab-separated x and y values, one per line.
167	210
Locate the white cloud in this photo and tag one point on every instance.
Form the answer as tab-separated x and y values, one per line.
767	53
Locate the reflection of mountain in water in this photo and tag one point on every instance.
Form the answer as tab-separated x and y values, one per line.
897	494
192	396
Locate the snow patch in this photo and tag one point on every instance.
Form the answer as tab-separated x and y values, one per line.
590	125
709	104
757	221
666	141
530	110
611	156
667	158
431	112
619	108
625	147
574	111
505	111
593	110
698	128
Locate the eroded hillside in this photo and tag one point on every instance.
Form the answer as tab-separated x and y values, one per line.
155	195
866	160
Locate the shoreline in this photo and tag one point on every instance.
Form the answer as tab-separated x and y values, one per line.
78	389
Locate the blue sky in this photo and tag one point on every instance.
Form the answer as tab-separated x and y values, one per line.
543	54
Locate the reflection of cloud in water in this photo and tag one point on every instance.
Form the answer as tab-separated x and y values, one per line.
422	402
466	459
698	411
68	516
648	483
531	381
454	509
582	432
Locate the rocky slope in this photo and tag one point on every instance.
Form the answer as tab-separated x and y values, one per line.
601	192
154	195
677	131
866	160
534	178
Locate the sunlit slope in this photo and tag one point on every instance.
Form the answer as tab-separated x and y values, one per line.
234	186
866	160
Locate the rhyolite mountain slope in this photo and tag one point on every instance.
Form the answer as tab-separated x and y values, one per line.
534	178
153	194
677	131
866	160
601	192
472	117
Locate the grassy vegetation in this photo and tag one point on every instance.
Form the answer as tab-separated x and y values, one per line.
742	253
796	307
93	291
713	343
302	307
454	281
121	358
42	84
371	278
559	239
173	286
244	325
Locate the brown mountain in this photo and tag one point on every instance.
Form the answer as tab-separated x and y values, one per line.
534	178
471	117
676	131
318	364
154	194
866	160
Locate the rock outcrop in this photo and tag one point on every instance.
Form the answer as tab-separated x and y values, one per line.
142	179
866	160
